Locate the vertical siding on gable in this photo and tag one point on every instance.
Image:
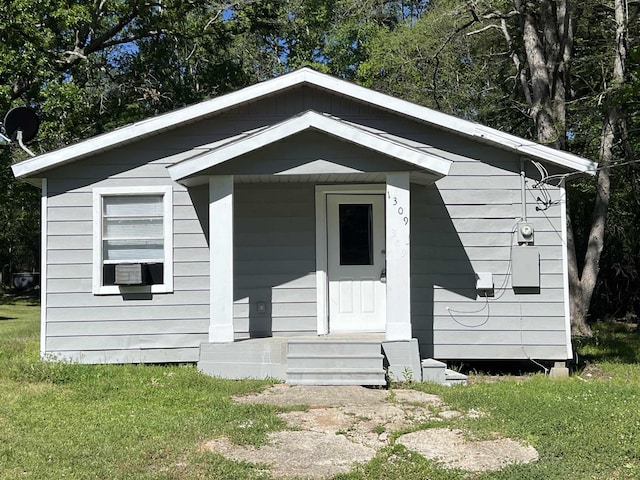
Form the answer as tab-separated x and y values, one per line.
274	259
120	328
463	225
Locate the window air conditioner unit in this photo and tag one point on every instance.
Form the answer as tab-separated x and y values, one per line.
128	274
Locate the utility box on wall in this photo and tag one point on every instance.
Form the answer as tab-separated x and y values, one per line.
525	267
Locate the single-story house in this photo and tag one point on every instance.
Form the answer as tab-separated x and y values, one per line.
303	228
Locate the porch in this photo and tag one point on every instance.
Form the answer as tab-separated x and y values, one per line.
335	359
344	190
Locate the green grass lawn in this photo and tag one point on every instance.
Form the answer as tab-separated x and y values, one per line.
116	422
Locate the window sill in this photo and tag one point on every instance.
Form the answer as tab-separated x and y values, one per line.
123	289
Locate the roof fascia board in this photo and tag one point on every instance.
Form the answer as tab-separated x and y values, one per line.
449	122
387	102
536	150
306	121
385	146
302	76
150	126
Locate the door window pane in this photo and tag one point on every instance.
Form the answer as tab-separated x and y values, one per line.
356	234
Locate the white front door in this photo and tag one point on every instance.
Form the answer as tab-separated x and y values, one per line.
356	263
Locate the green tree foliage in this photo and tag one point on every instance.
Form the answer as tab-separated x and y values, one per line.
469	59
19	222
90	66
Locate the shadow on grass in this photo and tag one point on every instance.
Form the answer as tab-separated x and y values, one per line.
612	341
498	367
29	299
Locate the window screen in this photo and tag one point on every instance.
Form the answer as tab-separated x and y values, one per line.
132	231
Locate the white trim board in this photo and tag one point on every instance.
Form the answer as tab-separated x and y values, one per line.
565	268
322	288
310	120
305	76
44	228
221	253
167	285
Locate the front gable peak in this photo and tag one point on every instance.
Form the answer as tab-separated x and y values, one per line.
414	155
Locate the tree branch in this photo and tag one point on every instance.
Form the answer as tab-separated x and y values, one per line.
483	29
520	71
456	32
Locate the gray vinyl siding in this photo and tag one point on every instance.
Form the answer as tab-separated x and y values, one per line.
274	259
460	225
81	326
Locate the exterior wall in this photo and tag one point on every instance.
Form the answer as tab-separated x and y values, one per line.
274	260
120	328
460	226
465	224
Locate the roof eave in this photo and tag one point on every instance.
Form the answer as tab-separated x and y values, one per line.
154	125
535	150
302	76
456	125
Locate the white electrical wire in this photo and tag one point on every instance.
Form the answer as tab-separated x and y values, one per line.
22	145
501	289
483	322
545	202
524	350
562	176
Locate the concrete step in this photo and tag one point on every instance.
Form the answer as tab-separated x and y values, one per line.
336	376
298	361
335	362
437	372
331	361
237	370
328	347
244	359
451	377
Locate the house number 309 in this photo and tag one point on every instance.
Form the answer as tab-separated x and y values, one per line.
400	209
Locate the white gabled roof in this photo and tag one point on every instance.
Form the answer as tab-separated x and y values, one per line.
154	125
310	120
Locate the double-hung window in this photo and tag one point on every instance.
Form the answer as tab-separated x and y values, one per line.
133	235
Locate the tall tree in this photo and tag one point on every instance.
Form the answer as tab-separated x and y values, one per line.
462	51
19	221
89	66
583	282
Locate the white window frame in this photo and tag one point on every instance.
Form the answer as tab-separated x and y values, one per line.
167	200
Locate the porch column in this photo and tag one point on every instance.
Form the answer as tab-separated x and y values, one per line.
398	257
221	258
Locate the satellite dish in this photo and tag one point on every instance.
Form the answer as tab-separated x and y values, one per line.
21	119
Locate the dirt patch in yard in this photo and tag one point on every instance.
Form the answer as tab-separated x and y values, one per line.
347	425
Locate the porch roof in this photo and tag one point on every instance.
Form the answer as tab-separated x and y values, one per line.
413	156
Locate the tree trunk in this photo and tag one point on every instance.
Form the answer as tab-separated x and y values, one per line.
539	29
543	71
547	34
579	325
583	285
